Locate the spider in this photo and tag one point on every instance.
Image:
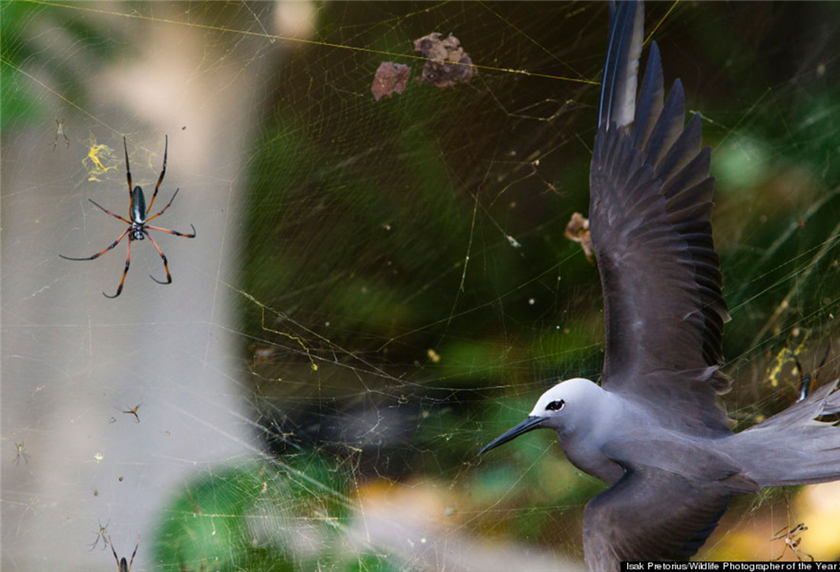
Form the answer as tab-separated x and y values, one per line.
60	131
138	227
122	565
792	534
20	454
100	534
133	411
792	538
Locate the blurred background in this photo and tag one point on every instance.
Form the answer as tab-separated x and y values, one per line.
377	288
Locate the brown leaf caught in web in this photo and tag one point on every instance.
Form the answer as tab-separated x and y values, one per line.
578	231
390	78
450	63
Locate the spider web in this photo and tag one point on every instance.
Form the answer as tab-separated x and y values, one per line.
377	288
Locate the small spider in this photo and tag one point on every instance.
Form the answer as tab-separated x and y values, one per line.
60	131
792	540
100	534
122	565
792	535
133	412
20	454
138	225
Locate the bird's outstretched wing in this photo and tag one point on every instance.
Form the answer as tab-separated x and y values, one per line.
651	514
650	225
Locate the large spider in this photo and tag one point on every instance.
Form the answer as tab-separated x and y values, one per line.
138	226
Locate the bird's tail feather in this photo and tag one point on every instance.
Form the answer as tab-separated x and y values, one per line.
793	447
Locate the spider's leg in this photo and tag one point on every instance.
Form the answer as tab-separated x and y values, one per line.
166	207
111	542
97	255
804	379
175	232
133	553
807	380
127	166
822	361
160	179
95	542
127	264
109	212
165	263
128	176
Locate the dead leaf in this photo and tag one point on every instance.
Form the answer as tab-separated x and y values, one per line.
390	78
449	64
578	231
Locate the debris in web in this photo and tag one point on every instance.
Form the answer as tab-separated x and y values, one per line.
449	64
578	231
390	78
99	160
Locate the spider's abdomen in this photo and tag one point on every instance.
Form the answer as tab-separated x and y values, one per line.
138	206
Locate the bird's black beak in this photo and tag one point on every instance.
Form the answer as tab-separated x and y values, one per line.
531	423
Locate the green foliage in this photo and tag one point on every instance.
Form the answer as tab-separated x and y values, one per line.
23	100
271	517
16	99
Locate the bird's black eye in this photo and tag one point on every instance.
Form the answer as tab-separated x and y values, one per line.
555	405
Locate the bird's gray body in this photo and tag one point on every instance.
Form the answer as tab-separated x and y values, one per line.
599	430
653	429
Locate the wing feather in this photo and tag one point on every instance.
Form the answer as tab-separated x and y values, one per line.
650	98
651	515
668	127
686	148
650	223
618	93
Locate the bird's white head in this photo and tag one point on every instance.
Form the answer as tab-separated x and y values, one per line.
566	403
566	407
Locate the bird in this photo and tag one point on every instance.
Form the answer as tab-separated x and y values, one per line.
653	429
